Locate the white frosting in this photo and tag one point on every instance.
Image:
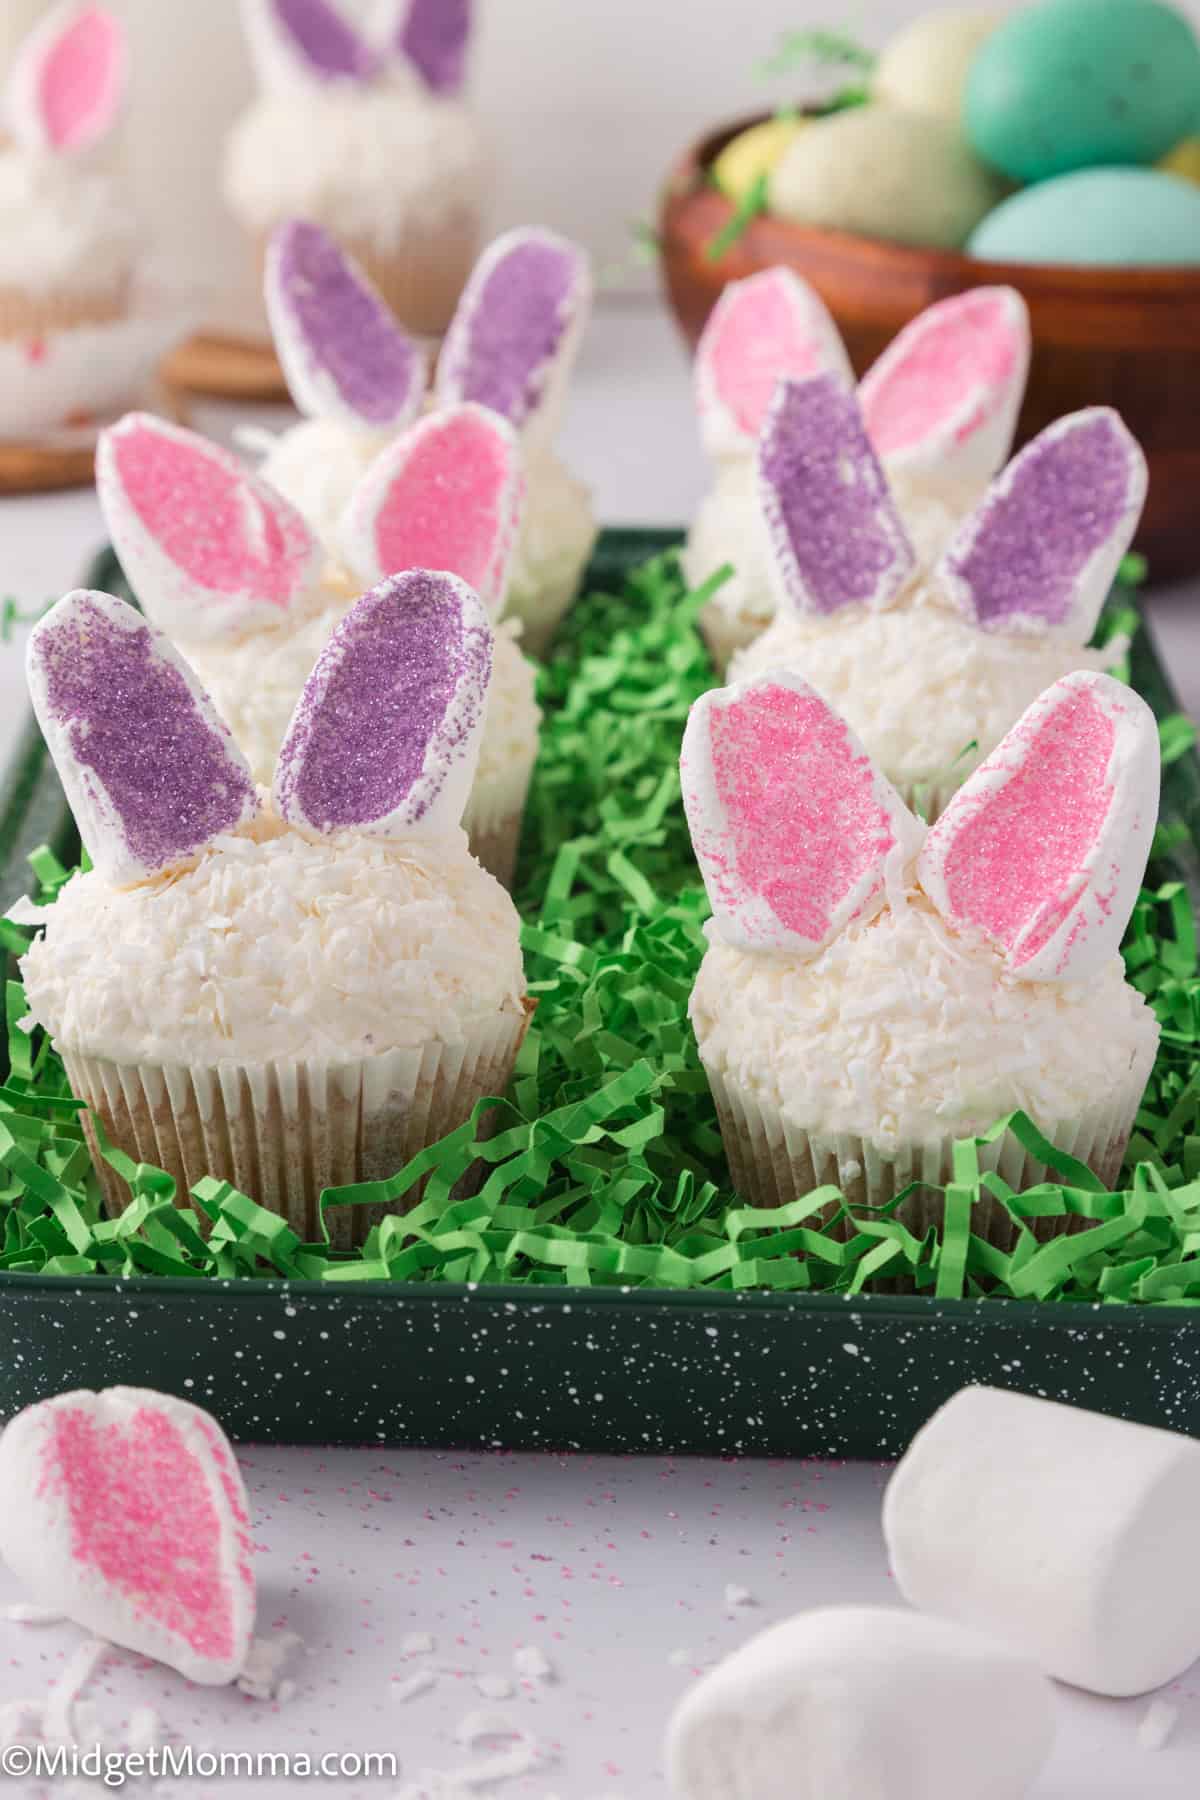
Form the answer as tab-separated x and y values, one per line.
62	226
904	1034
380	164
918	683
276	947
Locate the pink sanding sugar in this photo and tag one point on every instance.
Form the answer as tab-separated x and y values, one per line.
447	500
79	84
973	349
762	338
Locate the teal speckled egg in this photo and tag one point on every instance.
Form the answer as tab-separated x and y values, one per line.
1075	84
1106	217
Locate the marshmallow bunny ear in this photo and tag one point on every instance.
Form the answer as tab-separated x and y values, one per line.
150	770
768	326
386	734
68	83
209	548
942	401
306	43
513	338
791	822
1040	552
446	495
342	351
1044	847
836	537
434	36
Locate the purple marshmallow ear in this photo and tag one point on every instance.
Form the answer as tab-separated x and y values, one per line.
342	351
306	43
434	36
836	537
513	338
68	82
150	770
385	737
1040	552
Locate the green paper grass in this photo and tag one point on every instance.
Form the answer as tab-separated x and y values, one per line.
604	1166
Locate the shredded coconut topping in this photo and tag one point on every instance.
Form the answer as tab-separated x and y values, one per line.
62	226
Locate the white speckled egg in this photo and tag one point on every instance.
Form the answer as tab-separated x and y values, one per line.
924	67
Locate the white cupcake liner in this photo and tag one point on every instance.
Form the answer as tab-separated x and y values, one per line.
282	1132
773	1161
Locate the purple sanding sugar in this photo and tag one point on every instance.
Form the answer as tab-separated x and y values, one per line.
828	498
1068	495
347	329
329	44
377	700
516	326
132	720
434	37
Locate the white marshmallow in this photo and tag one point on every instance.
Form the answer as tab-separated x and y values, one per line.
862	1703
1069	1536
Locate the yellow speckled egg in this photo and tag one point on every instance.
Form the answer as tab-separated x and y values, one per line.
924	67
885	173
753	153
1183	160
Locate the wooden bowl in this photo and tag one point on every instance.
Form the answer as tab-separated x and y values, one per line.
1128	338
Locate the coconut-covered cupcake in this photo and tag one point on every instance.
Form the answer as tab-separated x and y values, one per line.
874	989
940	407
225	566
358	380
932	668
371	139
294	993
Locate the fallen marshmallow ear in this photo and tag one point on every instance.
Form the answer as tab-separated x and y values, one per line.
149	769
515	332
343	353
447	495
434	36
385	736
1041	551
835	536
306	43
941	403
209	548
791	822
68	83
771	325
1044	847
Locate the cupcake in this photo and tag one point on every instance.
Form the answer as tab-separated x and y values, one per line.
230	571
371	139
875	989
358	380
289	992
72	240
940	407
932	668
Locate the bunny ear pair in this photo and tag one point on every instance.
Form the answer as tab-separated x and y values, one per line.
1037	556
68	83
310	43
1041	852
384	738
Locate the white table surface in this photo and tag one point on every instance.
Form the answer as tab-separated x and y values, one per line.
615	1568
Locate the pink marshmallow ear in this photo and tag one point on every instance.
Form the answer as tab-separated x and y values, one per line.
761	329
68	83
941	403
150	770
342	351
1044	847
434	36
306	44
836	537
1040	552
513	338
385	737
209	548
791	822
447	495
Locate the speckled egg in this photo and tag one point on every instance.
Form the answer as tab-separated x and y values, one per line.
924	67
1073	84
1102	217
753	153
1184	160
885	173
